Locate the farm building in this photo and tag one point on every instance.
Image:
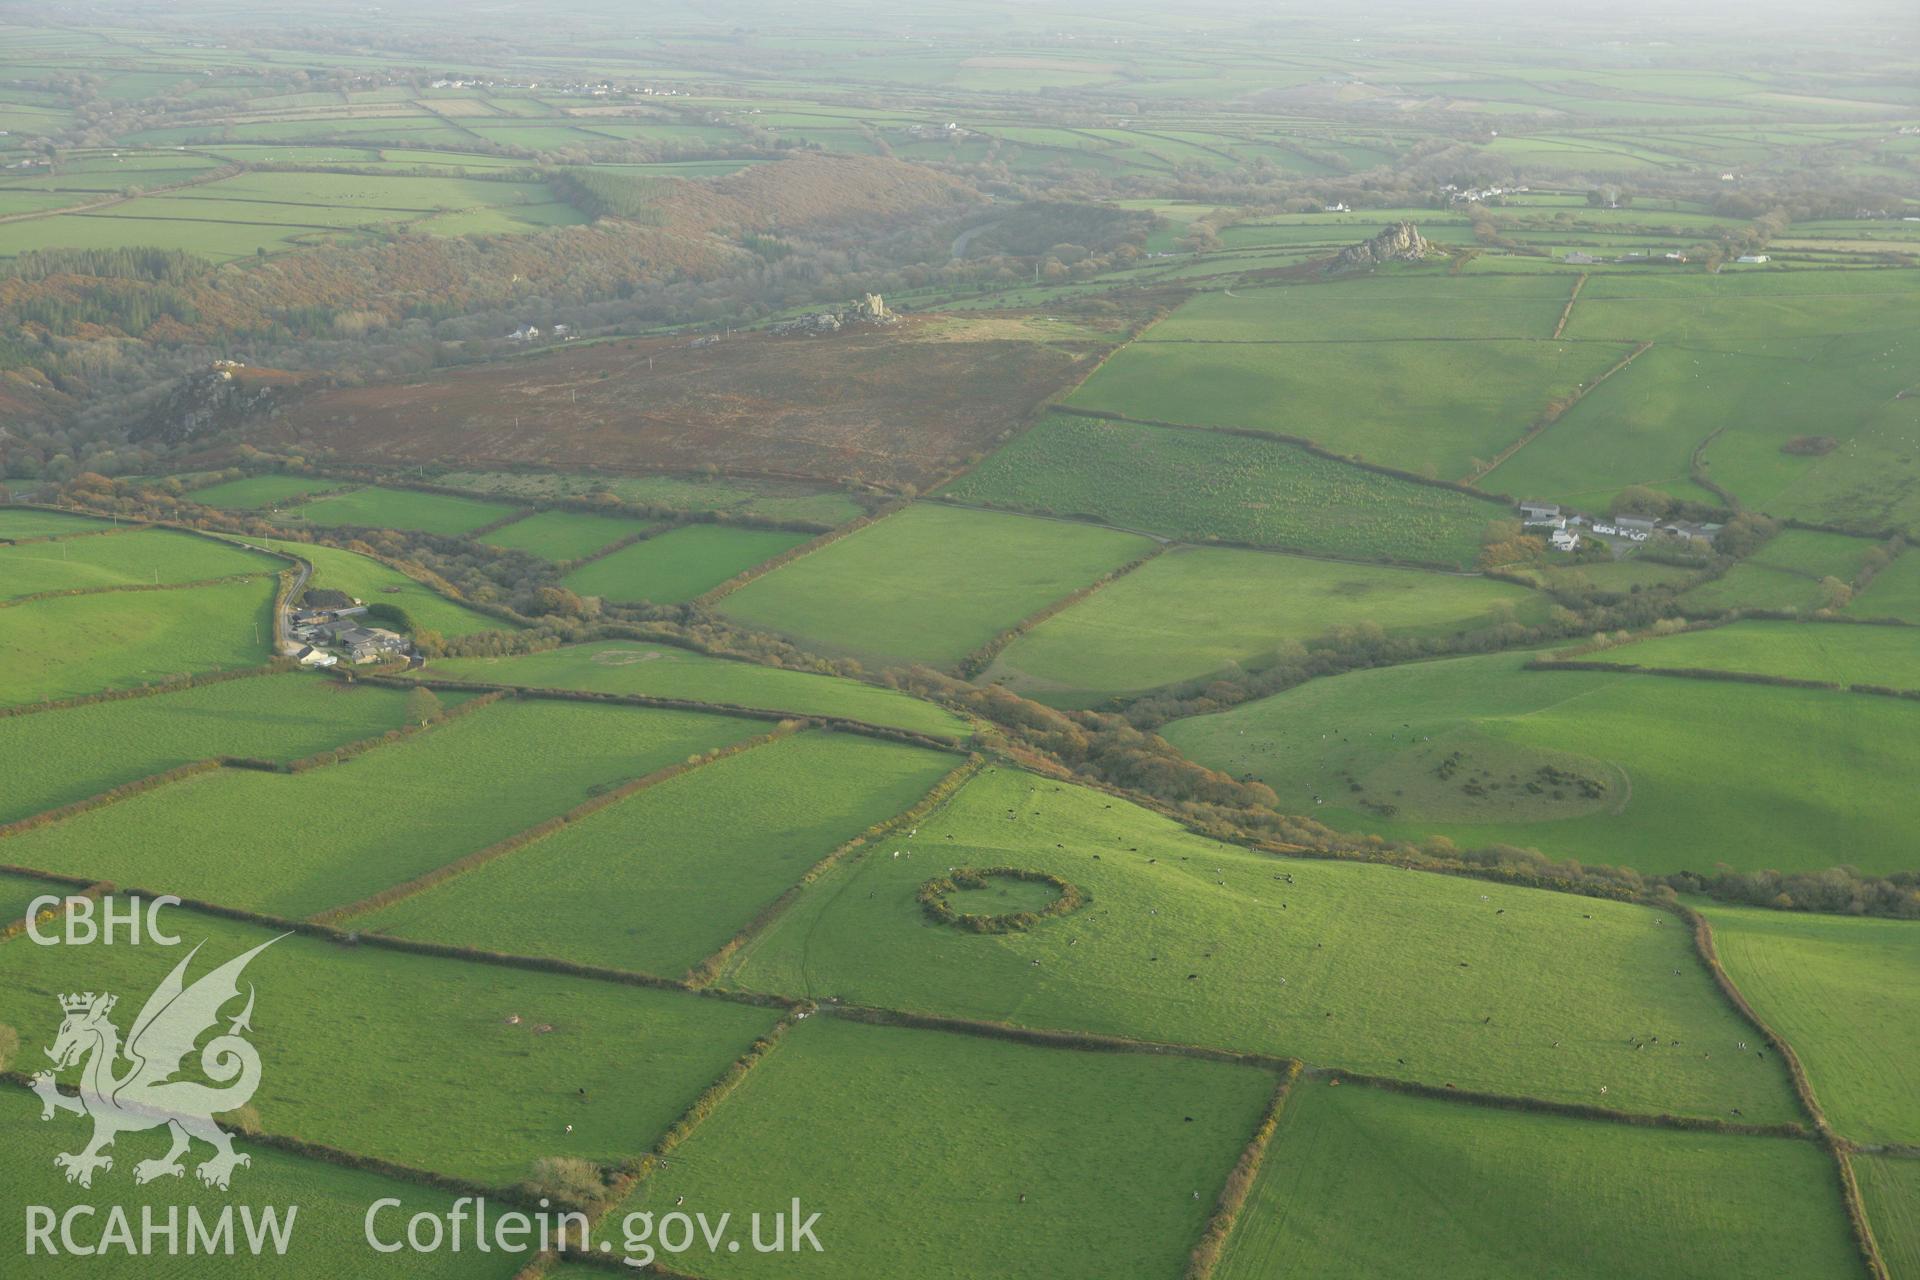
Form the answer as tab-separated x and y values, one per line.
1530	512
1563	540
308	656
1752	257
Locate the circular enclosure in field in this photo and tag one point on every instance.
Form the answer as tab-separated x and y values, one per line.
998	899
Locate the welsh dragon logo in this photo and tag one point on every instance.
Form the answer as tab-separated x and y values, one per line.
147	1096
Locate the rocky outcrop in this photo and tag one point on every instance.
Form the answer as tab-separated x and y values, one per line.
1401	242
216	399
870	308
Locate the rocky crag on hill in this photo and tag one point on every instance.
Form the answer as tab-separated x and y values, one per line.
1401	242
868	309
222	396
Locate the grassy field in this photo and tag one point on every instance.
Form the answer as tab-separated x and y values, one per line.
251	493
1802	650
71	645
1200	485
378	508
1753	776
336	834
58	757
328	1235
1845	993
772	500
1434	408
1374	307
139	557
680	564
1198	610
27	522
1785	573
676	870
374	1051
1749	362
663	671
18	891
1423	977
1051	1162
1890	1186
562	535
929	584
1893	593
424	608
1365	1182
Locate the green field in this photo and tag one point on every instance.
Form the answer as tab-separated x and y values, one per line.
1893	593
1842	654
412	1058
680	564
1195	611
770	500
1750	362
377	508
663	671
336	834
1785	573
1201	485
677	869
251	493
1436	408
1430	978
327	1237
1365	1182
71	645
938	1155
422	608
139	557
1890	1186
929	584
1845	993
1690	773
28	522
1394	307
562	535
58	757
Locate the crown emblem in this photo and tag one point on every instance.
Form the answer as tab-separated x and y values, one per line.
82	1003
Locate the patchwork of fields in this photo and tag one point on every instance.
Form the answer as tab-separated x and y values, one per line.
1085	775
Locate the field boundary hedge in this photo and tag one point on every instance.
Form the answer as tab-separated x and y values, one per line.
1566	312
1836	1145
983	657
1039	1037
841	724
343	1158
347	751
566	567
708	1101
1715	673
540	830
1569	1110
1557	411
707	599
1240	1179
273	667
124	791
708	970
622	510
1299	442
18	927
129	588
